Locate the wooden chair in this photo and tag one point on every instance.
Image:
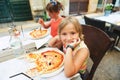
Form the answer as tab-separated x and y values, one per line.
98	43
101	25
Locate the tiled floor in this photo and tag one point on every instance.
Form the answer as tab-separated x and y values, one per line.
109	68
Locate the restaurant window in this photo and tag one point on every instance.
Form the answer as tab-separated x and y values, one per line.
102	3
78	7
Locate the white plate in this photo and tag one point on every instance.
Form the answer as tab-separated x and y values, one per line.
39	37
53	73
56	71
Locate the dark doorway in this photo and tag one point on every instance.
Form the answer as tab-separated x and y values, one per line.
78	7
14	10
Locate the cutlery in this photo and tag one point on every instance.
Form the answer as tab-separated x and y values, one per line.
40	29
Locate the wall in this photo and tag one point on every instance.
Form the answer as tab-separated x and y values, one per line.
66	7
92	6
38	6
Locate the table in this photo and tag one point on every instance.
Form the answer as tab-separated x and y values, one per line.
20	64
16	65
6	53
113	18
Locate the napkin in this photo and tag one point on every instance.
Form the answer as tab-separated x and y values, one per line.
42	41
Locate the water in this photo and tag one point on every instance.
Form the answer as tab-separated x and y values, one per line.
16	45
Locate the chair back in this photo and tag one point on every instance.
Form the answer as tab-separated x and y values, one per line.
101	24
98	43
94	22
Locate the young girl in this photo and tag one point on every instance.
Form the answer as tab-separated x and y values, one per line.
53	8
76	51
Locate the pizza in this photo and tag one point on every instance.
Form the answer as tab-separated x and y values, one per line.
37	33
46	61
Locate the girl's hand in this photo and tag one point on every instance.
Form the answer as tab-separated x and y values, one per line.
75	42
41	21
55	42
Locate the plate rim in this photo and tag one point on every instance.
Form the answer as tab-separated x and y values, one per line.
52	73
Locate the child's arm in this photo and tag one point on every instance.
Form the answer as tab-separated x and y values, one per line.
45	25
73	43
55	42
75	59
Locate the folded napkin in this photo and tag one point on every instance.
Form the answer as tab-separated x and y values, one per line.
42	41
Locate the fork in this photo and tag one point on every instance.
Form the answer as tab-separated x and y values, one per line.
40	29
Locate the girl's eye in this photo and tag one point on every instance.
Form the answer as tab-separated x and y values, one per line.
63	34
73	33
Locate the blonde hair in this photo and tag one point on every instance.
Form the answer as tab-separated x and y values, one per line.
75	22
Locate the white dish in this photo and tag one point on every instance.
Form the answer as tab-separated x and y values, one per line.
56	71
40	36
53	73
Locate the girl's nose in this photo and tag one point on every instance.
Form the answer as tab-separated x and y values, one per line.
69	37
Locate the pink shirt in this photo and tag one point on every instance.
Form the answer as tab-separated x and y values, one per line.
54	26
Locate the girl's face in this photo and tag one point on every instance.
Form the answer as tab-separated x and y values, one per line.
68	34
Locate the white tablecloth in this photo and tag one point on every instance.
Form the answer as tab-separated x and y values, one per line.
28	43
4	41
112	18
16	65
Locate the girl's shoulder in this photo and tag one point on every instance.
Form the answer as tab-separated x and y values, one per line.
81	45
56	21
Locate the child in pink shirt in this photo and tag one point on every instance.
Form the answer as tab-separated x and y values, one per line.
53	8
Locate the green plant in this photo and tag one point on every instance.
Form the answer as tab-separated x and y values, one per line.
109	6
